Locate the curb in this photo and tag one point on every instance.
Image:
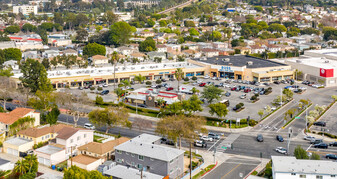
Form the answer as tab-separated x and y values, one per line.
284	127
216	164
251	172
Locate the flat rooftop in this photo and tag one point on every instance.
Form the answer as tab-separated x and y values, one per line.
18	141
330	51
108	70
49	149
124	172
315	62
285	164
240	61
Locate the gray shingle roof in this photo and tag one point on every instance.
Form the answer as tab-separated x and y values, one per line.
124	172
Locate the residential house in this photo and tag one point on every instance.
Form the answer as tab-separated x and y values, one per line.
257	49
50	53
107	165
243	50
12	64
72	138
142	153
173	48
6	165
220	45
161	48
191	53
104	150
99	60
208	52
51	154
153	55
6	119
17	145
273	48
125	50
42	134
57	40
70	52
146	34
290	167
85	162
140	56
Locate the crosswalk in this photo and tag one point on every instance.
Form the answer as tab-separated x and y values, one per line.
223	145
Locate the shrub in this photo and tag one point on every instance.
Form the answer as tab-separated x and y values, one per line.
253	98
194	78
92	88
252	122
238	106
158	81
148	83
186	79
99	88
99	100
241	104
256	95
254	173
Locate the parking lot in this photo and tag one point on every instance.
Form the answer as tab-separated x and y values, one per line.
330	119
251	109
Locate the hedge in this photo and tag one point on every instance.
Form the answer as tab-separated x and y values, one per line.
297	115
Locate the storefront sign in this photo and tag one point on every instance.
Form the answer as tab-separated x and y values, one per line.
326	72
88	79
226	69
151	73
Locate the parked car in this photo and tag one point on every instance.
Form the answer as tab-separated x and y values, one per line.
321	145
89	126
227	94
200	143
206	138
308	137
164	140
331	156
259	138
213	135
105	85
247	90
169	89
202	84
243	96
279	138
281	150
233	89
276	82
206	77
320	123
334	144
316	141
214	78
104	92
154	86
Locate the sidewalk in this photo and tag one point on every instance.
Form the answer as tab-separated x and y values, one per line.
42	168
232	130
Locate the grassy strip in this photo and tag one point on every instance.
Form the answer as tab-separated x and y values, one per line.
202	172
285	125
274	111
323	113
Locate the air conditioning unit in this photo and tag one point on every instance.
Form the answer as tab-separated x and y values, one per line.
298	61
249	63
326	61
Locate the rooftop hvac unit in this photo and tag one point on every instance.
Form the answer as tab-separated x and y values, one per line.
298	61
216	58
326	61
249	63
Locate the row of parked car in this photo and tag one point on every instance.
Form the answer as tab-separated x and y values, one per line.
312	84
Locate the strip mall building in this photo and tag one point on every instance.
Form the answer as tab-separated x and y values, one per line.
227	67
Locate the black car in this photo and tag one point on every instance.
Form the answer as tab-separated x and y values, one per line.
142	105
276	82
279	138
259	138
320	123
321	145
105	92
164	140
333	144
331	156
227	94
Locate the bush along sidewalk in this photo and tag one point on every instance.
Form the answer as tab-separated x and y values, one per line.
275	110
204	171
285	125
317	118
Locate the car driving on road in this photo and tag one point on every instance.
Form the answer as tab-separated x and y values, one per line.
200	143
331	156
206	138
321	145
213	135
334	144
89	126
279	138
281	150
259	138
308	137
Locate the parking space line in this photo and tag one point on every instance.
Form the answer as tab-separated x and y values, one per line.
213	145
309	147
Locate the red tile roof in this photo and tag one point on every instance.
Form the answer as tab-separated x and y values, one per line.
11	117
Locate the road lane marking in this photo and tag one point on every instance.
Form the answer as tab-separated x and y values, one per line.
309	147
231	171
214	144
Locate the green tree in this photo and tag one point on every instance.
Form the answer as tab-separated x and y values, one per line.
163	23
193	32
258	8
275	27
12	29
218	109
110	117
288	93
74	172
150	23
120	33
7	72
45	62
12	54
99	100
216	36
147	45
94	49
260	113
263	24
109	18
334	97
179	75
315	156
175	108
34	76
81	35
293	31
139	78
192	105
28	28
189	24
300	153
120	4
211	93
52	116
119	92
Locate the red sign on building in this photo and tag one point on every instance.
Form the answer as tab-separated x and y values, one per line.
326	72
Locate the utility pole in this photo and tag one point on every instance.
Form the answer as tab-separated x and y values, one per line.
190	160
289	136
281	97
214	152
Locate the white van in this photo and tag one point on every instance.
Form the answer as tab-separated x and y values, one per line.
89	126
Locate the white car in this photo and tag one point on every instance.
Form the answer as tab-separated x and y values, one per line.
206	77
309	138
89	126
243	96
214	78
105	85
154	86
200	143
281	150
100	86
206	138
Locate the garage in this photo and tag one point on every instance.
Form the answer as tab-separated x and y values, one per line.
12	152
44	161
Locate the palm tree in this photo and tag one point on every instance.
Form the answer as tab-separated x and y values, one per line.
125	83
32	163
119	92
114	60
160	102
21	167
4	173
140	78
179	74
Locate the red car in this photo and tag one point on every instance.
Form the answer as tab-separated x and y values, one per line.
169	89
247	90
233	89
202	84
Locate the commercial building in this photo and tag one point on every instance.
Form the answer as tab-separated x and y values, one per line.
92	75
25	9
291	168
243	67
144	154
316	69
327	53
